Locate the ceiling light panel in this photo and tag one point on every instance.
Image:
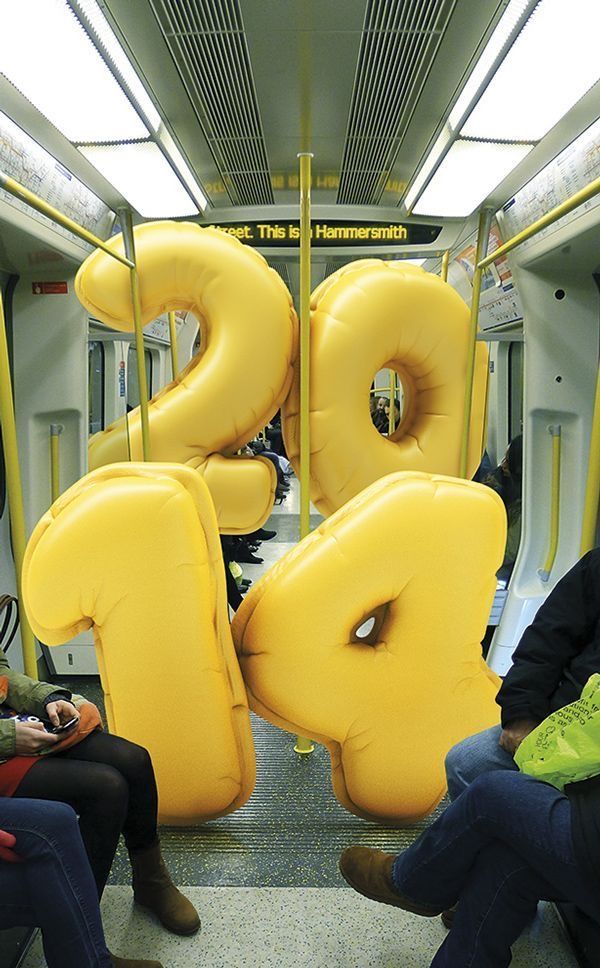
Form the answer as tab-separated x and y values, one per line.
116	55
47	55
467	175
144	177
551	65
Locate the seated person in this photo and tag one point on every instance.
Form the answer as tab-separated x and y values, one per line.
107	780
507	481
557	654
505	843
46	882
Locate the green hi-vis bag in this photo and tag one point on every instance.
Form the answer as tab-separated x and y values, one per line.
565	747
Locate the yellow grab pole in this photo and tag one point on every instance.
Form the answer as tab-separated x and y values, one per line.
589	523
544	572
392	413
552	216
303	745
173	335
15	492
485	218
19	191
445	261
55	432
127	229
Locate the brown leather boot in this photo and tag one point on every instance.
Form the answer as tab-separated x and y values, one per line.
369	872
154	889
133	963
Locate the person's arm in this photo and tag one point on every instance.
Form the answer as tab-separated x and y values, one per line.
563	626
25	695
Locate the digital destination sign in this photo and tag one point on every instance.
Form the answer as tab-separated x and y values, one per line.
332	233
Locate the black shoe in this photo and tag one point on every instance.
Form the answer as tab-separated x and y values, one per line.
245	584
263	535
243	556
448	917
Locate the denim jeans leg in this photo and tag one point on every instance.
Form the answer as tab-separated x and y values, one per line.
529	817
499	900
60	885
473	756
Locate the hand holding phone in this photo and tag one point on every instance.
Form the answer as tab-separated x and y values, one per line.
64	727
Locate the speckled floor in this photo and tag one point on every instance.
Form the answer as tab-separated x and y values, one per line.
300	928
271	893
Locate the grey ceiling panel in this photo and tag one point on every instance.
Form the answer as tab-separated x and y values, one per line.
399	43
208	44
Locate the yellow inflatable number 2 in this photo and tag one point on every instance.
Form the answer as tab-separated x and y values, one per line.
133	551
415	557
239	378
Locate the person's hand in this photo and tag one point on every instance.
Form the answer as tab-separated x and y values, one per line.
513	735
61	711
7	842
31	738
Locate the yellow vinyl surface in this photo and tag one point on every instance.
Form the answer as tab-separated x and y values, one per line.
372	315
133	551
418	553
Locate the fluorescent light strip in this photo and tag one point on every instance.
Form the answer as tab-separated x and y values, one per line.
551	65
443	139
183	169
144	177
491	52
467	175
47	55
117	56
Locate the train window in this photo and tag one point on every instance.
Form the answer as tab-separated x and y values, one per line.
515	389
96	386
133	388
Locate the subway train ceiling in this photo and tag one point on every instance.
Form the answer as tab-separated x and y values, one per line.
232	90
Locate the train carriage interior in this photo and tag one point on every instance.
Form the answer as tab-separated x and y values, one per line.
362	237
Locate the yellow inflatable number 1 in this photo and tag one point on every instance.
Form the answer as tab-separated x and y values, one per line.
239	378
133	551
366	637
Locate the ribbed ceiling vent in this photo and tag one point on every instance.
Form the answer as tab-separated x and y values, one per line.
282	269
399	42
208	44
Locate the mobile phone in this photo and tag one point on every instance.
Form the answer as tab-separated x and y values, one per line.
64	726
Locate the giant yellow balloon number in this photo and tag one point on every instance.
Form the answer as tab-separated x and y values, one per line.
235	384
368	316
133	551
417	556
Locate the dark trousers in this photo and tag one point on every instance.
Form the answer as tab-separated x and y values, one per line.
110	784
500	847
53	888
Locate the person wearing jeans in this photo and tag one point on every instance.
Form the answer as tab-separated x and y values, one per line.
46	882
505	843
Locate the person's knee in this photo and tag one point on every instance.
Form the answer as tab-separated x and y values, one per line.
457	768
136	763
109	791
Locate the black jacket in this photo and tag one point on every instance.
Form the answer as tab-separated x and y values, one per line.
560	650
553	661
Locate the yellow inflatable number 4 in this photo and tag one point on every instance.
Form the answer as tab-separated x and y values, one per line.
133	551
417	555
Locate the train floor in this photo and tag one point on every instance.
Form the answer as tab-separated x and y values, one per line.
265	879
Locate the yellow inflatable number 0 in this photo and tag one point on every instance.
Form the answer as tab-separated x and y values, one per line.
133	551
235	384
368	316
415	556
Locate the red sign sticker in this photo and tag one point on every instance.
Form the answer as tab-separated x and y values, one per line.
48	288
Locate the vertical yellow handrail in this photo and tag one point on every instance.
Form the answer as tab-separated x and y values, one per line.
589	523
544	572
173	336
55	432
392	413
14	492
304	745
445	261
485	218
127	229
